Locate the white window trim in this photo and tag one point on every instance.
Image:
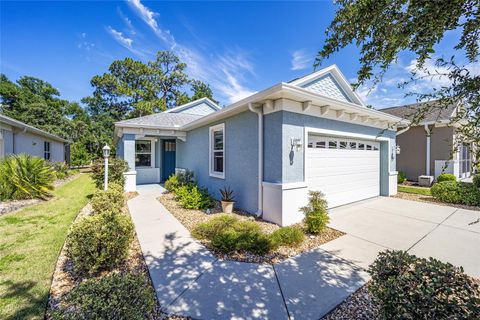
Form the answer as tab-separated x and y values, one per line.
218	127
2	145
152	150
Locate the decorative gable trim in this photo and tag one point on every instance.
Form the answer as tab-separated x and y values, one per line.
337	77
184	108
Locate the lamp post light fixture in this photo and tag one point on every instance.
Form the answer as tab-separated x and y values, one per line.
106	154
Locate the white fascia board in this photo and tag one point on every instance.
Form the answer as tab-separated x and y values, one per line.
18	124
337	105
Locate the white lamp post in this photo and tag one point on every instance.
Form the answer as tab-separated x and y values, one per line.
106	154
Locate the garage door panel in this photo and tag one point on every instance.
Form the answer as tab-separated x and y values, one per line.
343	175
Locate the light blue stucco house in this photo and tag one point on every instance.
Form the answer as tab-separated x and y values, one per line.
271	148
17	137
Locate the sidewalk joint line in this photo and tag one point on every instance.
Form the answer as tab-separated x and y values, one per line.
281	292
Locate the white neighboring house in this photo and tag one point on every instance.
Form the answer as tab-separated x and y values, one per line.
17	137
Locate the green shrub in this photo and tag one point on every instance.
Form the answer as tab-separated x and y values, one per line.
226	234
208	230
112	199
476	180
171	184
25	177
446	191
288	236
116	168
408	287
316	216
469	194
456	192
401	177
116	296
446	177
191	196
99	242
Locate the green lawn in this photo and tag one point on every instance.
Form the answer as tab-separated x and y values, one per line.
417	190
30	242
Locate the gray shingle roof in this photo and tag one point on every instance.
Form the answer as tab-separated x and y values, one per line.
161	119
433	113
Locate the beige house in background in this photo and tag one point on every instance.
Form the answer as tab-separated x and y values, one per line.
428	148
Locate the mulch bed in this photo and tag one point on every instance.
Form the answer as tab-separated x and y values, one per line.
191	218
430	199
64	280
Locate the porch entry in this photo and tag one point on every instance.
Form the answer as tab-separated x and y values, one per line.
168	158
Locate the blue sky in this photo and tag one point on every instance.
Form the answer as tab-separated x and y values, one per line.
237	47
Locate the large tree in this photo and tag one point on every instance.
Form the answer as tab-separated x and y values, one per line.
202	90
383	29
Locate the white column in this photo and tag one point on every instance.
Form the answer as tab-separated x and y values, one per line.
129	157
427	150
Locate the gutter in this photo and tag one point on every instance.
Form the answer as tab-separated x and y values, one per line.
427	150
259	111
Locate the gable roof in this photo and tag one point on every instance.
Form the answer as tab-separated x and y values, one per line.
329	82
28	128
434	113
202	106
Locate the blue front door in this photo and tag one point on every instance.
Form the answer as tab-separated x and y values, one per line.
168	158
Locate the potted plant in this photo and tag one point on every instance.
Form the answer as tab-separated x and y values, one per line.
227	199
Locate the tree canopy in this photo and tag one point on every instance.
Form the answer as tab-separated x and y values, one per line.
129	89
383	29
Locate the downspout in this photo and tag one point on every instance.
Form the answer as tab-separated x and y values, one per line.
258	111
427	130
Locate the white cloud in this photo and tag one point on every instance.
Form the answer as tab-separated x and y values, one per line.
301	60
123	40
224	72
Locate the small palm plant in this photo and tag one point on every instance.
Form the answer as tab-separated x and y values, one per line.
228	199
25	177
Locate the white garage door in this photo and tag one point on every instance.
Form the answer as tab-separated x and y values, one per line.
345	170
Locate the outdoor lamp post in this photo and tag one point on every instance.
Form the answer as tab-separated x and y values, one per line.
106	154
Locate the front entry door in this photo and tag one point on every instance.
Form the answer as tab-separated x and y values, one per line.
168	158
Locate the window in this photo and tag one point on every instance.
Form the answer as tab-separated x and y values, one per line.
310	144
217	151
369	147
361	146
46	150
143	153
352	145
375	148
320	144
332	144
170	146
343	145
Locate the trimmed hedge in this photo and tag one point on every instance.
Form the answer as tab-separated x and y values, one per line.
288	236
99	242
456	192
112	199
407	287
476	180
446	177
116	296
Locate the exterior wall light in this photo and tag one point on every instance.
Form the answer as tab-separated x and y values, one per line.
296	143
398	149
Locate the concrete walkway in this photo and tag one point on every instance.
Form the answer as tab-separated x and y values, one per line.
190	281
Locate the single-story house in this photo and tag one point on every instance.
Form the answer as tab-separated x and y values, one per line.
430	147
17	137
271	148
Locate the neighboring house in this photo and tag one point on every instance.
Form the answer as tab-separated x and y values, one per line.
271	148
17	137
429	147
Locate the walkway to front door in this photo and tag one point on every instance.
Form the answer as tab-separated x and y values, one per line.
168	158
190	281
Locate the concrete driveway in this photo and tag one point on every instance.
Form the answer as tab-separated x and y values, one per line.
427	230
